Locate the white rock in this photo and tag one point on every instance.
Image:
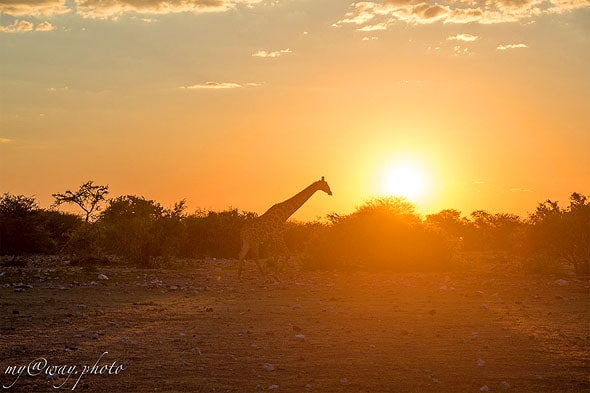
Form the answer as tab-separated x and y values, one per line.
484	388
481	362
561	283
102	277
443	288
300	337
268	366
505	385
343	380
484	306
474	335
273	387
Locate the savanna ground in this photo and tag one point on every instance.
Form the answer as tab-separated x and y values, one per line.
484	327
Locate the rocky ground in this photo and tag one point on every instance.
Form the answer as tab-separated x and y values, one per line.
196	328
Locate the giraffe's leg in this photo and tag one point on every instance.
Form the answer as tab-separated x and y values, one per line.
243	253
256	254
281	250
285	252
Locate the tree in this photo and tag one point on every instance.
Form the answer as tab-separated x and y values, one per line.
562	234
382	234
131	228
88	198
20	225
449	221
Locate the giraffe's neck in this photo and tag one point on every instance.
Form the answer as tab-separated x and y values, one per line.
286	209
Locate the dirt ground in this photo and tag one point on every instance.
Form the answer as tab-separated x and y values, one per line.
485	327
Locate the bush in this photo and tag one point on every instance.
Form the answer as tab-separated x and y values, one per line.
214	234
60	229
562	233
129	228
21	230
383	234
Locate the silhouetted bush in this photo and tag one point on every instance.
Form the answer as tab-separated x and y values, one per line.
59	229
129	228
298	235
561	234
383	234
214	234
21	229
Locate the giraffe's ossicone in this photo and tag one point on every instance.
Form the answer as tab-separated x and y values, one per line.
269	227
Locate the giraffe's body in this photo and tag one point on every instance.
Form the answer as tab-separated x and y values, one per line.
269	227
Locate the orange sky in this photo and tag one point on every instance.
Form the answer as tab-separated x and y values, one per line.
245	103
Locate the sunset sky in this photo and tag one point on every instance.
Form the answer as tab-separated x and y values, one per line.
243	103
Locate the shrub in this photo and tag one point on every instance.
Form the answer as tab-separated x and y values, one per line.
383	234
562	233
21	230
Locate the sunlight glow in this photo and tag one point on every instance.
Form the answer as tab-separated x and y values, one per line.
404	179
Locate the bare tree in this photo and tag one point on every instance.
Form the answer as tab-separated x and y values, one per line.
88	198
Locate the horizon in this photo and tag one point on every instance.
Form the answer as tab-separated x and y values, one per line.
478	106
189	210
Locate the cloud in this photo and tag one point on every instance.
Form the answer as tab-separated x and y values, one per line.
278	53
112	9
366	14
33	7
376	27
23	26
44	26
5	140
464	37
511	46
218	86
57	89
19	26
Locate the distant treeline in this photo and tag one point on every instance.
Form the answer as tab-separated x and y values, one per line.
383	233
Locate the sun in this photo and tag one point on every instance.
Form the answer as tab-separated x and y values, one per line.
404	179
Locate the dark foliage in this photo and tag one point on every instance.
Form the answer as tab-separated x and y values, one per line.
557	233
382	234
27	229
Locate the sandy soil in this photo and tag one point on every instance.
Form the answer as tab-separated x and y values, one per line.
199	329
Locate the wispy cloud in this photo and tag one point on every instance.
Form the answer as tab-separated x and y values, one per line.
366	14
278	53
219	86
5	140
520	190
375	27
463	37
112	9
44	26
33	7
511	46
213	86
57	89
19	26
23	26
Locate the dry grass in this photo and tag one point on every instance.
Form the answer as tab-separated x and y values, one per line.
200	330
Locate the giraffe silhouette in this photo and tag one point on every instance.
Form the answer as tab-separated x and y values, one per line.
269	227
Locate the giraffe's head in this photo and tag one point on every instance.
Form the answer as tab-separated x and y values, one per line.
323	185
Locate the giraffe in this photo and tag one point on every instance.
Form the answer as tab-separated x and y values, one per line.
269	227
